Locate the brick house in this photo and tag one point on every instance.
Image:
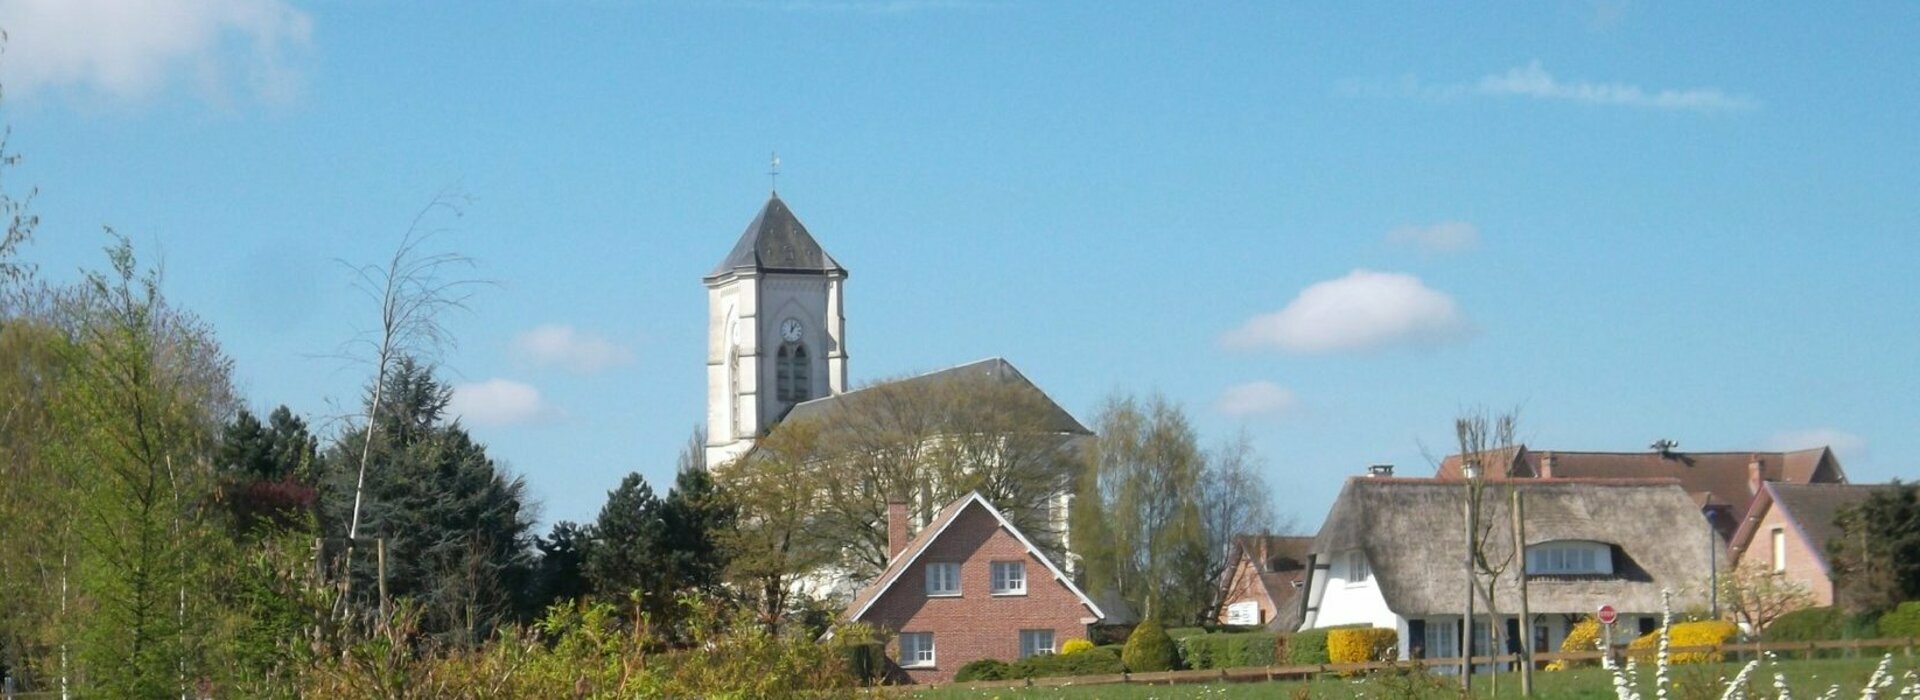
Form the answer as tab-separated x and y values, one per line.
1267	573
969	586
1788	528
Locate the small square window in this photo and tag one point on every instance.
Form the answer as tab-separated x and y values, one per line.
943	578
1035	642
916	649
1357	571
1009	577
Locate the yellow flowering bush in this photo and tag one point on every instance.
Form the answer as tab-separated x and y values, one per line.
1360	644
1690	634
1584	636
1075	646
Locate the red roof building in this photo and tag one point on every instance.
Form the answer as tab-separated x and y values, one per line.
969	586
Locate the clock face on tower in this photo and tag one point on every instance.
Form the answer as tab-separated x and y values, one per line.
790	330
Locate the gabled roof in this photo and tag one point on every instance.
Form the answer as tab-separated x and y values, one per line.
1055	419
1811	508
1281	562
1723	475
903	561
1411	531
776	241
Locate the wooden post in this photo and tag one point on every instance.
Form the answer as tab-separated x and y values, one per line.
1526	619
380	570
319	559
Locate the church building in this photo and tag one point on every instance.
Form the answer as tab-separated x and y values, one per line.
776	330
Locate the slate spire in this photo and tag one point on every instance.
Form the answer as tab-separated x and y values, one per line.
776	241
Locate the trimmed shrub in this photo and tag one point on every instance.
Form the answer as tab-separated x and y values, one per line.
1149	649
1117	649
1178	633
1075	646
1092	662
1817	624
1902	621
985	670
1690	634
1308	647
1361	645
1237	650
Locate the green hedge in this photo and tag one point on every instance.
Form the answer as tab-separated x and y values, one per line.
1902	621
984	670
1818	624
1310	646
1233	650
1092	662
1179	633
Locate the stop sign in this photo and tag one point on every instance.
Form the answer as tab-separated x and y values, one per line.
1607	615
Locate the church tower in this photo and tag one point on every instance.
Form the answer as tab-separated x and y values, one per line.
776	333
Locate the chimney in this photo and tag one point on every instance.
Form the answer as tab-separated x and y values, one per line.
1755	475
896	528
1546	465
1380	470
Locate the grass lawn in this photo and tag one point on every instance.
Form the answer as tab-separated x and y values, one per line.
1807	679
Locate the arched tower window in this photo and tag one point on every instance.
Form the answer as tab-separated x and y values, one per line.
793	381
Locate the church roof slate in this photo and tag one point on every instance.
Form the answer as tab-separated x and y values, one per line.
776	241
1056	418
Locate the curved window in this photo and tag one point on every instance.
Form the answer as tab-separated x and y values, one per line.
792	380
1569	557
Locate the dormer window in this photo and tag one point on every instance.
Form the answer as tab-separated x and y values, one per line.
1570	558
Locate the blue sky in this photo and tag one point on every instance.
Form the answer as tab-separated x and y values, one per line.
1330	226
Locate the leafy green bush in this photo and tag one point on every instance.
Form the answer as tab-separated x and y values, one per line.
984	670
1229	650
1902	621
1310	646
1117	649
1178	633
1092	662
1817	624
1149	649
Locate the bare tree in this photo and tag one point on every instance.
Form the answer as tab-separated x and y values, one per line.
413	288
1234	500
1487	441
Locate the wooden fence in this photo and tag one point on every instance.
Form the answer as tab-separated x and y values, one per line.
1298	672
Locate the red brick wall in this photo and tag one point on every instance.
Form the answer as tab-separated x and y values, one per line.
977	624
1244	585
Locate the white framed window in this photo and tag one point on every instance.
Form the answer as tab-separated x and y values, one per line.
1009	578
1569	557
916	649
1357	571
1035	642
943	578
1779	550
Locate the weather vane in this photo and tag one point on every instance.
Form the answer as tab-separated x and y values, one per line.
773	173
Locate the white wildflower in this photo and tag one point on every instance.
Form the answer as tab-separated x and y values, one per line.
1737	690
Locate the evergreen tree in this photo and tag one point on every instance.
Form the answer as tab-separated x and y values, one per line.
629	552
694	515
561	574
456	524
1877	559
268	471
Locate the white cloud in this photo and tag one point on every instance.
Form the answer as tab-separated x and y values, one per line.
1534	81
130	50
1444	237
1257	398
559	345
498	402
1364	310
1843	443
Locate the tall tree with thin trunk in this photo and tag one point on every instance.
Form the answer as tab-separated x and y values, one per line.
413	288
